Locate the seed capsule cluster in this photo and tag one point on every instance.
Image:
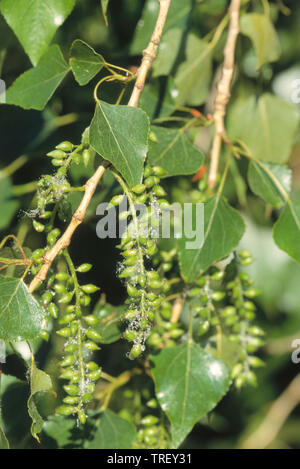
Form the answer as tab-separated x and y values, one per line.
81	339
145	287
227	305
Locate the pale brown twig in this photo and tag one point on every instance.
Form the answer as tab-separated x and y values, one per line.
275	418
91	184
149	54
223	90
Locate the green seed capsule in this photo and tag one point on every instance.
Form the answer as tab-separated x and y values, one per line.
194	292
92	366
65	332
77	158
228	311
81	417
71	400
89	345
65	410
85	300
142	280
67	318
255	330
131	260
155	284
94	375
149	182
152	404
176	333
91	320
135	351
132	291
46	297
87	398
45	335
59	288
71	389
149	420
38	226
62	276
91	387
203	328
128	272
144	324
66	298
255	362
139	189
247	261
218	295
159	171
116	200
142	199
164	204
244	253
240	381
37	254
65	146
68	374
57	154
129	253
89	288
252	293
86	156
68	361
56	162
83	268
70	348
218	275
147	171
93	335
53	310
236	370
130	335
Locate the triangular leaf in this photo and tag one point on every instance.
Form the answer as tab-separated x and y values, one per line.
112	432
262	184
158	98
34	22
286	231
223	230
8	206
189	383
174	152
259	28
120	135
85	62
39	382
193	76
104	5
267	126
35	87
21	317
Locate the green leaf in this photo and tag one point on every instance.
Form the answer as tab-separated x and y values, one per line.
3	440
21	316
34	22
259	28
193	76
286	232
189	383
104	6
8	206
177	18
262	181
167	52
267	126
112	432
34	88
120	135
158	98
223	229
102	431
174	152
39	382
85	62
110	321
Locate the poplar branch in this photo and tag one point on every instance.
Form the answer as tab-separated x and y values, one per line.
223	90
149	55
